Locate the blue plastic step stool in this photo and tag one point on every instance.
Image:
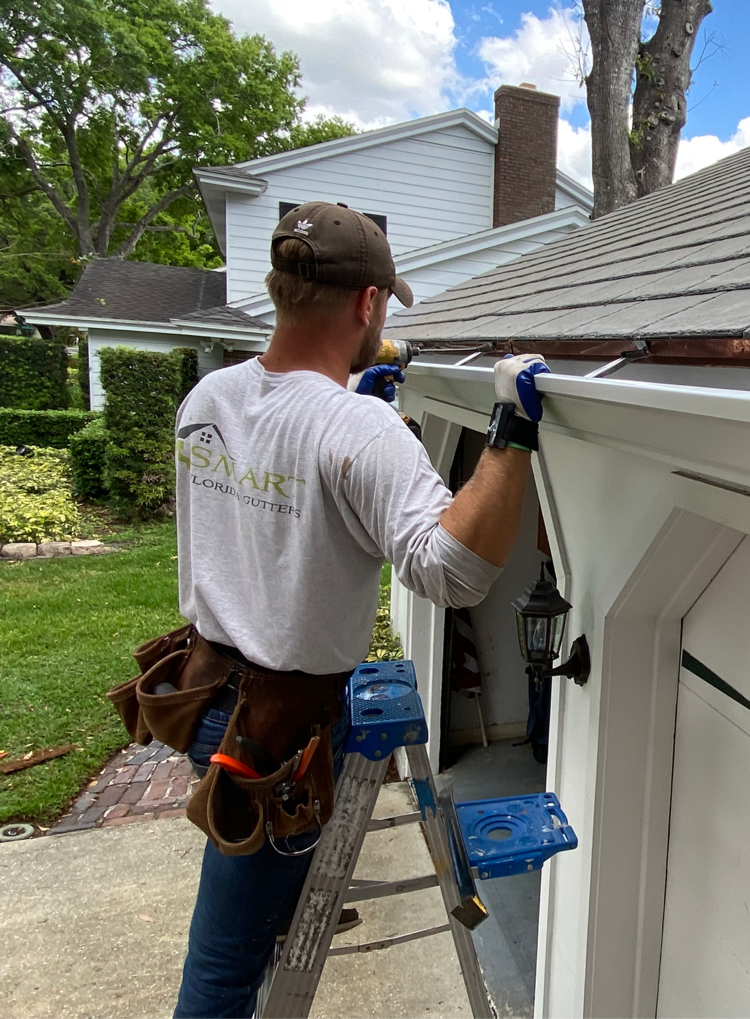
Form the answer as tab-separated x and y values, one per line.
515	834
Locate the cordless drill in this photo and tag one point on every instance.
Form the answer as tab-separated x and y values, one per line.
398	352
401	353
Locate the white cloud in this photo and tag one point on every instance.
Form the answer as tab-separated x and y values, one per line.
574	151
543	51
702	150
370	61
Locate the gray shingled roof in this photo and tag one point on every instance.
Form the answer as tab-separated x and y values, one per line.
226	316
232	172
674	264
141	292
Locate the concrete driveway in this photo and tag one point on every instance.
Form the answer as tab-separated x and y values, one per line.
94	924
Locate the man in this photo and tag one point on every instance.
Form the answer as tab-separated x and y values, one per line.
291	493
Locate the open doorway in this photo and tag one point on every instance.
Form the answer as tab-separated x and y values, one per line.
506	943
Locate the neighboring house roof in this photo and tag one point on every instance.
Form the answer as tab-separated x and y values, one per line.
673	264
225	316
110	288
142	297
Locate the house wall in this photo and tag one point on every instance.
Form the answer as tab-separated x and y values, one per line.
430	280
432	188
99	338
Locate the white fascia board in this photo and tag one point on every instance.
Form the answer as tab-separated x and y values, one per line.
568	218
82	322
717	404
395	132
175	328
219	331
575	190
218	180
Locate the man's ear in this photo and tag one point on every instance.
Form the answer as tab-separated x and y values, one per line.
366	304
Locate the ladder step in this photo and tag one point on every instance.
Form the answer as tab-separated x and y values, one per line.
401	939
381	823
514	834
381	889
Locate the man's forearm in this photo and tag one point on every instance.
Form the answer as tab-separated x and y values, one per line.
485	515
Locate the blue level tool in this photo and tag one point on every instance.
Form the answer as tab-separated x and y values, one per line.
515	834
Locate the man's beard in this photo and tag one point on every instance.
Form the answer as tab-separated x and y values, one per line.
368	351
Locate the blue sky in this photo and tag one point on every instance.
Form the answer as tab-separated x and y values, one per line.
377	62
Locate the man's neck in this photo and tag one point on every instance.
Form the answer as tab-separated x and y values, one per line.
295	348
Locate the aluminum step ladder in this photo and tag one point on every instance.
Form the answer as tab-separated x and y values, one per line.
386	713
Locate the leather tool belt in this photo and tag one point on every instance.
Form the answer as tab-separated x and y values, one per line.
280	731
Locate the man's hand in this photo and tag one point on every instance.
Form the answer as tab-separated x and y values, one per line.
514	383
380	381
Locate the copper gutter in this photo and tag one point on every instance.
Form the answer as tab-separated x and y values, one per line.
714	351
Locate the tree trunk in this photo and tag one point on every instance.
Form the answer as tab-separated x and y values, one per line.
615	30
659	104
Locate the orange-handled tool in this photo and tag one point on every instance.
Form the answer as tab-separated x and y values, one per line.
234	766
304	763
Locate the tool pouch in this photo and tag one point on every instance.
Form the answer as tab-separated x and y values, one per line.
184	659
238	813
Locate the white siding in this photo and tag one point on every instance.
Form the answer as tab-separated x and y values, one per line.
434	279
98	338
563	200
433	188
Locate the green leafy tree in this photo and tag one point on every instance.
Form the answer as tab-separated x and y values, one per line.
106	107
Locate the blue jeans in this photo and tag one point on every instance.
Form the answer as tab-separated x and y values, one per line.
243	903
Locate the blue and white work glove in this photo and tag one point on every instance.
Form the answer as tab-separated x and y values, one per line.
514	383
380	380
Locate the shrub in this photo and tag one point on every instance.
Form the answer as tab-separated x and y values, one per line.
35	497
87	457
142	390
33	373
83	369
187	358
47	428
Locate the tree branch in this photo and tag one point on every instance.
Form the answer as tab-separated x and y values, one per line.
44	185
128	246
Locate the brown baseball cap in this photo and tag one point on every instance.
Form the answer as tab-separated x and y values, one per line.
348	249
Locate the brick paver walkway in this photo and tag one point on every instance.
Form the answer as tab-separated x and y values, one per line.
138	784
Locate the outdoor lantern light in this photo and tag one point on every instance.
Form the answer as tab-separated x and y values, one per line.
541	612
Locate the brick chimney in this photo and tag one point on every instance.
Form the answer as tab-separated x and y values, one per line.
526	153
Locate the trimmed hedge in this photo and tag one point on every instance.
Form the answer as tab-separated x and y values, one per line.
83	369
142	393
33	374
47	428
187	358
88	449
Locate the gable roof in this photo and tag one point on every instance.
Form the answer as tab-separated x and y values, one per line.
354	143
673	264
110	288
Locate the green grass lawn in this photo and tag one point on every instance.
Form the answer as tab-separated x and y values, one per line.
69	627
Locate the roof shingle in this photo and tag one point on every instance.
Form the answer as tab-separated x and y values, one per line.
676	263
141	292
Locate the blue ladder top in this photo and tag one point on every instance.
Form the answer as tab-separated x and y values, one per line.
512	835
385	709
515	834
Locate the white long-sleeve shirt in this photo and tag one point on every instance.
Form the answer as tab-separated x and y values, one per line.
291	492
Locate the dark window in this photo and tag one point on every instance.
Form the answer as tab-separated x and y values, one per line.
381	221
285	207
